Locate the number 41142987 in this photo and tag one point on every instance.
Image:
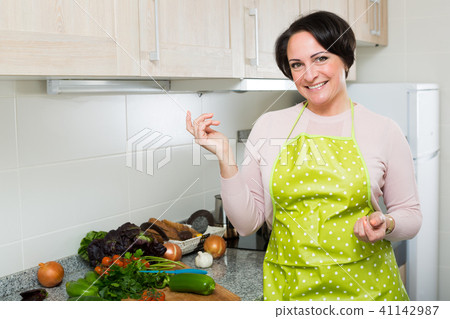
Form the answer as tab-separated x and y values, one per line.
410	310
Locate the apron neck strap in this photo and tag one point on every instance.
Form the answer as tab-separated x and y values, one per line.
296	121
306	104
353	119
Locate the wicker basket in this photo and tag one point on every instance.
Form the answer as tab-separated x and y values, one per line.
193	244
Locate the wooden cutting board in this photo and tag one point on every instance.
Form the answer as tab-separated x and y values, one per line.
219	294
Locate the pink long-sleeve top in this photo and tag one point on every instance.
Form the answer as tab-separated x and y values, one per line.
246	196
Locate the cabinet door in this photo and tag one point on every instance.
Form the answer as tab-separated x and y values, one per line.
264	22
340	7
60	38
190	38
369	19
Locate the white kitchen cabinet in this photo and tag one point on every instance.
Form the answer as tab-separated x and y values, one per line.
69	38
174	39
191	38
340	7
264	21
370	22
368	19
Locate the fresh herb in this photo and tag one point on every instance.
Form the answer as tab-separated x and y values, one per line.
127	282
82	251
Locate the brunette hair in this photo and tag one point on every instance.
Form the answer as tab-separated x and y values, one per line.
331	31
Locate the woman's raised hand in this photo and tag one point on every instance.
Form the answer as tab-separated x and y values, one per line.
213	141
205	136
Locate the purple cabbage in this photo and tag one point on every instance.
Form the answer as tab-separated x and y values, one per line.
128	237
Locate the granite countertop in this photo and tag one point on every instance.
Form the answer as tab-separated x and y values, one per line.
239	271
12	285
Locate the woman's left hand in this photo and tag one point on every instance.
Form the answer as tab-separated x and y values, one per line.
371	228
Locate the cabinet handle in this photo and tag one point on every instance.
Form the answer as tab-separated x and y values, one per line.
379	17
154	55
254	13
376	18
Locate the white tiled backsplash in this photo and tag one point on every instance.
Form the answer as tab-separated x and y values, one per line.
63	163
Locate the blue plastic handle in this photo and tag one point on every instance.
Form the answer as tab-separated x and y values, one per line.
178	271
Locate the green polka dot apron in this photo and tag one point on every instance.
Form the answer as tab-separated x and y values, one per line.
320	186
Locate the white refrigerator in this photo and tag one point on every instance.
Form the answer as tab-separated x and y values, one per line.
415	107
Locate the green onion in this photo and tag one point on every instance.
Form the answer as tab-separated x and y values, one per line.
160	263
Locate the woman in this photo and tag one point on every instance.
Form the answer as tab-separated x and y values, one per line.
319	190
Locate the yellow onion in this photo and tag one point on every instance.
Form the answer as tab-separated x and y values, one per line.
173	251
215	245
50	274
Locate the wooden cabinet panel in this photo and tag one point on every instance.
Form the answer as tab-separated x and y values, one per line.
340	7
60	38
162	38
369	19
193	38
264	22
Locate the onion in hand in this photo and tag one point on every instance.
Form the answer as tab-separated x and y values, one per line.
215	245
50	274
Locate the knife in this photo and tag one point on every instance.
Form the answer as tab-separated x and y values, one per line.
178	271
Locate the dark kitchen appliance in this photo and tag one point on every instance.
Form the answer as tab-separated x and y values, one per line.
256	241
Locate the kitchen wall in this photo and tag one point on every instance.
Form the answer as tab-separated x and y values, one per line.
64	171
419	51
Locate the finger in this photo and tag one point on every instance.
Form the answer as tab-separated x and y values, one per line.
207	123
368	231
377	219
359	229
189	126
356	227
204	128
202	118
201	129
364	229
372	234
199	125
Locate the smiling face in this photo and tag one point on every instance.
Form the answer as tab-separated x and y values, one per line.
318	74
